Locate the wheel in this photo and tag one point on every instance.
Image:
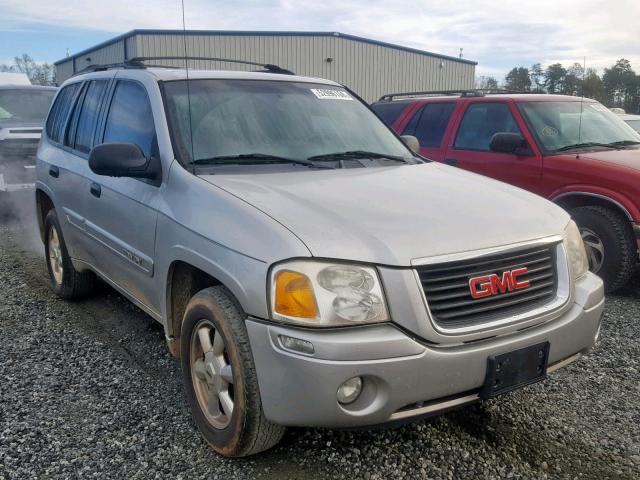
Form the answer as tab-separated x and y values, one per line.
609	242
219	376
66	281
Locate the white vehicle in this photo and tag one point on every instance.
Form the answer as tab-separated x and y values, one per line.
632	120
11	78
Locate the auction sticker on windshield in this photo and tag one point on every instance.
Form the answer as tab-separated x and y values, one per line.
330	94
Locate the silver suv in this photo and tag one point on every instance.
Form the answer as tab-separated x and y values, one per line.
308	268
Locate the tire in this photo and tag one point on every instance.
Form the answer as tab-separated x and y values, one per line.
65	280
610	243
245	430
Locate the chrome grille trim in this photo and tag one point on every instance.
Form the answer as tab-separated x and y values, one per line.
546	310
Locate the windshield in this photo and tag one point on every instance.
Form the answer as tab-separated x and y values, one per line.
25	104
556	125
291	120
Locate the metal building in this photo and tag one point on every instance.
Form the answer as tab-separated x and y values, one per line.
369	67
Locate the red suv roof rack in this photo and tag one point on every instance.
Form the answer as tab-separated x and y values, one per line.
475	92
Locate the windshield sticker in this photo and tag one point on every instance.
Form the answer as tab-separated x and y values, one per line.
549	131
329	94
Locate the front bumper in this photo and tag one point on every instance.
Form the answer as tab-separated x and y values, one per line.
403	377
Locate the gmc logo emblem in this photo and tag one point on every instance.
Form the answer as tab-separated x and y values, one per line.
488	285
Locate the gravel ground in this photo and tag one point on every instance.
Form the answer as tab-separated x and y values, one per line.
88	390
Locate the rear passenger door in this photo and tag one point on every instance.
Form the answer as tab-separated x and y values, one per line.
470	150
62	170
429	125
121	212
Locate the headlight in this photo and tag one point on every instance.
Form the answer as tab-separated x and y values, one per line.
576	254
322	294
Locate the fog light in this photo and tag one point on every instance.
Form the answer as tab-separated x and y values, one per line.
350	390
297	345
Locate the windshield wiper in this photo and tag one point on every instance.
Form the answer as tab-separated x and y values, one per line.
357	154
246	158
587	145
625	142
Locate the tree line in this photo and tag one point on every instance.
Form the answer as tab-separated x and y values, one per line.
38	73
619	85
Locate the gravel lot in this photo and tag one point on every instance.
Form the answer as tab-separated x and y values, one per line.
88	390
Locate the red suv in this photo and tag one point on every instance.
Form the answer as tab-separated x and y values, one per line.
575	153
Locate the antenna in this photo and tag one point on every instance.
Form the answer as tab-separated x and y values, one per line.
186	68
584	69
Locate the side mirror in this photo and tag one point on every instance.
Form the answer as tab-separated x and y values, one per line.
504	142
123	160
411	142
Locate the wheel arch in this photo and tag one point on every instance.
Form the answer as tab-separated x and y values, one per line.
573	199
184	279
44	204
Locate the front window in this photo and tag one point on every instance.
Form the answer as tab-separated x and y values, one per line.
25	104
560	126
227	118
481	122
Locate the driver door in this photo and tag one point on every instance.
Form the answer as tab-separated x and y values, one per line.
469	148
121	213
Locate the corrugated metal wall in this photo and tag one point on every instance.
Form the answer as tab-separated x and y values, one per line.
370	70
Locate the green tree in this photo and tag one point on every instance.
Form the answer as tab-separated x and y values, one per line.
593	86
518	79
554	77
486	83
622	86
536	75
38	73
572	84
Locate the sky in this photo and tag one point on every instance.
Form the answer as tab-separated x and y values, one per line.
497	34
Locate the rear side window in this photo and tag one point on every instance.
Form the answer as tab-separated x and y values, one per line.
130	119
57	120
388	112
89	115
481	122
429	124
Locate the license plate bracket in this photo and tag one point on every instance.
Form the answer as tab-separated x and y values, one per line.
512	370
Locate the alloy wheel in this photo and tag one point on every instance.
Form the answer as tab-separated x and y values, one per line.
212	374
595	249
55	256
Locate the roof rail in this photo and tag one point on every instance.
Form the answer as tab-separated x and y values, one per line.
268	67
137	62
474	92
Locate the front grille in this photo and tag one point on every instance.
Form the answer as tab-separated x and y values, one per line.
447	290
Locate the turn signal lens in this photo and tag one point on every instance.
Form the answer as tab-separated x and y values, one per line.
294	295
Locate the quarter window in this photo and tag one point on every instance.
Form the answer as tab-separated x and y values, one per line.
57	120
130	118
481	122
429	124
89	115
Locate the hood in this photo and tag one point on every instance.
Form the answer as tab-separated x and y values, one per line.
626	158
391	215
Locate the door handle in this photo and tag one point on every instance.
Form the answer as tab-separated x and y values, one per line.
54	171
451	161
96	190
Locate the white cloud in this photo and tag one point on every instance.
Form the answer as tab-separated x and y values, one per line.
498	35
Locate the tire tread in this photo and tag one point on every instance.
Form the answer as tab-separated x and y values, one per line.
624	239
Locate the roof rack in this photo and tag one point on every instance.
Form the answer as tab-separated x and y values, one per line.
474	92
138	62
